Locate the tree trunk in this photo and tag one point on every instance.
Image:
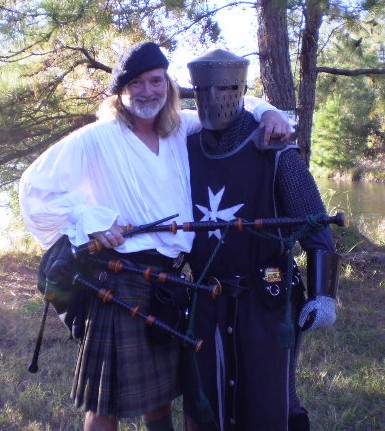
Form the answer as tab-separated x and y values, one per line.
274	56
313	13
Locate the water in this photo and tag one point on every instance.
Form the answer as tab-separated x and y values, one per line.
361	198
362	202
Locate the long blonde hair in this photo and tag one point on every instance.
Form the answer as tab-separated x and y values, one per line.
166	122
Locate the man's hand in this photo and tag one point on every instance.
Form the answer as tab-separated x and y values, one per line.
111	237
276	126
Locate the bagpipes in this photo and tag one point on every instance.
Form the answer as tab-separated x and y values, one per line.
59	272
238	224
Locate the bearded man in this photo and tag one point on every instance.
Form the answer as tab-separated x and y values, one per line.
129	167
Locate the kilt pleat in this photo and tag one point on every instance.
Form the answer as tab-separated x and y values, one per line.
119	371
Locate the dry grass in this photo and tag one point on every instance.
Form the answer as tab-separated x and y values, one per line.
342	372
36	402
342	369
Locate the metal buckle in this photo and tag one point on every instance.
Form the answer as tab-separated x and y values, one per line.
178	261
102	277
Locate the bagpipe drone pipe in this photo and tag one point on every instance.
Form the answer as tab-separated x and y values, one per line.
63	284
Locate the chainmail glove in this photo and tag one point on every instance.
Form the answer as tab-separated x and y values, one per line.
318	313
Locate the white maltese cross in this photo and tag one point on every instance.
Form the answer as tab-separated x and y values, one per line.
213	213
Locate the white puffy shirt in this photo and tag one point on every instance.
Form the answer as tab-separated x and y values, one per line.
103	172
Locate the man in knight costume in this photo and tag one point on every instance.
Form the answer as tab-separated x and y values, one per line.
243	367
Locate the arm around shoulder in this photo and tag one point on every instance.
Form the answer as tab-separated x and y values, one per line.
277	123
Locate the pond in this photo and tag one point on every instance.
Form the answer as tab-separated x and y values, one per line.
362	202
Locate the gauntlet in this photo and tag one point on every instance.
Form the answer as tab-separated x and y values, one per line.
322	283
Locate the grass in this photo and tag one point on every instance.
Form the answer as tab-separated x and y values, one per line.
36	402
342	371
341	378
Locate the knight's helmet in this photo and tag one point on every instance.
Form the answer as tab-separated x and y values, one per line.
219	80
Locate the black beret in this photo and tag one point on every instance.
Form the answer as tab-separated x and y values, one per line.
134	61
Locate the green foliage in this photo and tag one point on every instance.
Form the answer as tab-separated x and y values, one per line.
347	122
347	126
329	136
17	236
56	56
55	60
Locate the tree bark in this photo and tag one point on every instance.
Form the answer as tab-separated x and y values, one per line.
313	13
276	76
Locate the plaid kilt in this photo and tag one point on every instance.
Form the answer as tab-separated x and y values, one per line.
119	371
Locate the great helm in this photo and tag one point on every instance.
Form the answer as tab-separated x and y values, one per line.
219	80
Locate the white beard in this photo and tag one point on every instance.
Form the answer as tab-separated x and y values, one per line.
142	112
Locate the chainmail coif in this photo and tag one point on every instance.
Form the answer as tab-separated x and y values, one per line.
297	193
218	142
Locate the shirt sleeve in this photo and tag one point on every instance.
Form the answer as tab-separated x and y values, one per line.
258	107
56	198
190	121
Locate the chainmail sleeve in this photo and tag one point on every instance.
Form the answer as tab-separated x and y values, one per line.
298	195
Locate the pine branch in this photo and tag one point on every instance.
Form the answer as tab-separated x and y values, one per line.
350	72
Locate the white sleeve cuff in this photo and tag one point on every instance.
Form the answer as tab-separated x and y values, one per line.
86	220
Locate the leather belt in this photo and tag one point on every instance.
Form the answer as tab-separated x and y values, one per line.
237	285
154	258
